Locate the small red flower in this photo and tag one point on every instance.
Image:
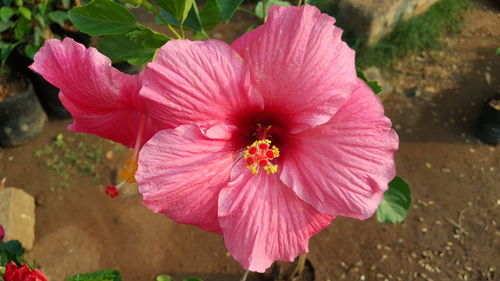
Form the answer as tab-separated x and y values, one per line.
22	273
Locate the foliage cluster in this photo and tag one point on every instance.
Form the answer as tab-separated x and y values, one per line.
26	24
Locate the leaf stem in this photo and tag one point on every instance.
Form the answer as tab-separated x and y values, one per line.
182	32
246	11
299	3
264	9
152	9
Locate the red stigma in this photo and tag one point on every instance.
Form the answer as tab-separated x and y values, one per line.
263	146
249	161
263	162
112	191
252	150
270	154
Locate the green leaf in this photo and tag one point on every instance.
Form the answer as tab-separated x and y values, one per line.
5	25
141	46
193	279
497	51
210	15
396	202
192	22
164	277
316	2
25	12
6	13
259	12
58	17
10	251
30	50
103	275
376	88
227	8
44	6
22	28
178	8
5	50
102	17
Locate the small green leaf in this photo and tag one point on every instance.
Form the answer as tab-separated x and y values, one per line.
141	43
497	51
5	50
25	12
6	13
227	8
22	28
178	8
102	17
58	17
30	50
376	88
396	202
5	25
193	279
103	275
259	12
164	277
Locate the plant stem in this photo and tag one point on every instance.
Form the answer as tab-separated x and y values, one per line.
182	32
152	9
245	275
246	11
264	10
299	267
299	3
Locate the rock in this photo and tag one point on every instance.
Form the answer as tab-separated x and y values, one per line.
17	215
414	92
377	18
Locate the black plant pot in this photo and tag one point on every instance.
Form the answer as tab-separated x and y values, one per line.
488	127
21	117
47	94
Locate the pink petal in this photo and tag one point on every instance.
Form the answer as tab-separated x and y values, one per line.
343	167
299	64
181	172
102	100
264	221
197	82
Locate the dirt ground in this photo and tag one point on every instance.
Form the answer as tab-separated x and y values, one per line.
451	233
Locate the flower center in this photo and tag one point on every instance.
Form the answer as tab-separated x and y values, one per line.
259	155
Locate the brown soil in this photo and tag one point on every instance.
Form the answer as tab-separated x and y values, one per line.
451	233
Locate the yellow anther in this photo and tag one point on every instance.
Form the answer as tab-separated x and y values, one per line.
127	173
259	155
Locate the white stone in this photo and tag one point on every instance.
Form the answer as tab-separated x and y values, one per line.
377	18
17	216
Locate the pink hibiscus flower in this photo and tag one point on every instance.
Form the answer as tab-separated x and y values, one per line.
2	233
102	100
272	136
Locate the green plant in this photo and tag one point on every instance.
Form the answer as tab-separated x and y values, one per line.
26	24
420	33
